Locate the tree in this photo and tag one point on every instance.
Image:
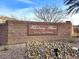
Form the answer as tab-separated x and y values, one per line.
3	19
73	6
49	14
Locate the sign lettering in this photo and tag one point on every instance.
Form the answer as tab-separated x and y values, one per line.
35	29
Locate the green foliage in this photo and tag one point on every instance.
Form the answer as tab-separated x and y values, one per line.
73	6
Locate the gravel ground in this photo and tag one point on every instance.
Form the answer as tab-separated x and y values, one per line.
38	50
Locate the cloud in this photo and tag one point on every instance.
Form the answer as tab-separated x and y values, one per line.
28	15
26	1
25	13
5	11
75	19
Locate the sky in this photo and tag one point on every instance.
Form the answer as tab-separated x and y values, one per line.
24	9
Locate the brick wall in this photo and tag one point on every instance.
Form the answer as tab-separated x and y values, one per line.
18	32
3	33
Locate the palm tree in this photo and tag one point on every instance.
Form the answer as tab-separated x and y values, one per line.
73	6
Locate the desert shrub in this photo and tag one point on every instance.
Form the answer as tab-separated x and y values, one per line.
5	49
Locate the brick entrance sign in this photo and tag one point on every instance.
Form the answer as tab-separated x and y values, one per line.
14	31
42	29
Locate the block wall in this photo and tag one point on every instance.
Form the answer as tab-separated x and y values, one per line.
18	32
